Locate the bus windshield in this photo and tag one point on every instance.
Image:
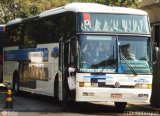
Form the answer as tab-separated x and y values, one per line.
136	53
99	53
119	23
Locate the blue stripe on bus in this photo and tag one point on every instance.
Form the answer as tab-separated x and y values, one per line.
94	80
97	76
100	81
23	54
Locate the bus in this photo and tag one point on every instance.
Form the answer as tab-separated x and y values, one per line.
2	37
44	51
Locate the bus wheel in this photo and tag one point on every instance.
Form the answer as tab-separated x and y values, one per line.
56	89
65	99
120	106
15	82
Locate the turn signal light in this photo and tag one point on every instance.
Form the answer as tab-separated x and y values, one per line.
143	86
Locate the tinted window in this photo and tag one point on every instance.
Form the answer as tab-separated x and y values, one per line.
113	23
13	35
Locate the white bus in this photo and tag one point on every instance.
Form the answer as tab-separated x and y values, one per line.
41	49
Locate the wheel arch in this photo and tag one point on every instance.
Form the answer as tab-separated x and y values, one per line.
15	80
56	85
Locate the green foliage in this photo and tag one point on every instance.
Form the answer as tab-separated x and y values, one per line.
11	9
122	3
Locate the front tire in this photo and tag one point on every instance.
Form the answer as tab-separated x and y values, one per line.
15	81
56	90
120	106
66	95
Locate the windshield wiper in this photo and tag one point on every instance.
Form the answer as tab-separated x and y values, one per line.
129	65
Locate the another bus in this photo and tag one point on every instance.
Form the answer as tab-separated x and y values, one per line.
41	50
2	42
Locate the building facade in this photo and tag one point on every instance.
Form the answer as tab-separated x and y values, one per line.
153	8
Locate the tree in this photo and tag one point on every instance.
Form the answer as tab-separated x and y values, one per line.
11	9
122	3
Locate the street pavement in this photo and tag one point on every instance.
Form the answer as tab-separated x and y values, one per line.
26	104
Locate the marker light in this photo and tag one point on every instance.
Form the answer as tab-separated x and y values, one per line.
143	86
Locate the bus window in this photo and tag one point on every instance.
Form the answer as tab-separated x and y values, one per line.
113	23
2	44
13	35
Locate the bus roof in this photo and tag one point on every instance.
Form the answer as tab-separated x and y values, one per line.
92	7
82	7
30	19
15	21
19	20
2	27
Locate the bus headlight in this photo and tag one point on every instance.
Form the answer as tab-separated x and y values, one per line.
83	84
143	86
87	84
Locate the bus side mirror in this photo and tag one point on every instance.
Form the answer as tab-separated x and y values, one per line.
155	54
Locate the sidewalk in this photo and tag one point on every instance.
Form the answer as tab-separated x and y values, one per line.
145	105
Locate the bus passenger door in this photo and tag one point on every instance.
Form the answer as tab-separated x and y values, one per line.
67	56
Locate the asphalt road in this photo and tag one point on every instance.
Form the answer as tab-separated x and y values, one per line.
26	104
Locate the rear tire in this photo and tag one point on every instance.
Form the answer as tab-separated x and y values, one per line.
15	81
120	106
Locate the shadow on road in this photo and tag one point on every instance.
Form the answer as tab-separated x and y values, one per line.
26	102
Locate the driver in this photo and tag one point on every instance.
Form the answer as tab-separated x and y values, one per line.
126	52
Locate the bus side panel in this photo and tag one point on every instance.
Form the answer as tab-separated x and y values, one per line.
51	66
9	66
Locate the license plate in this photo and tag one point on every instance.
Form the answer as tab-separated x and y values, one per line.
116	95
